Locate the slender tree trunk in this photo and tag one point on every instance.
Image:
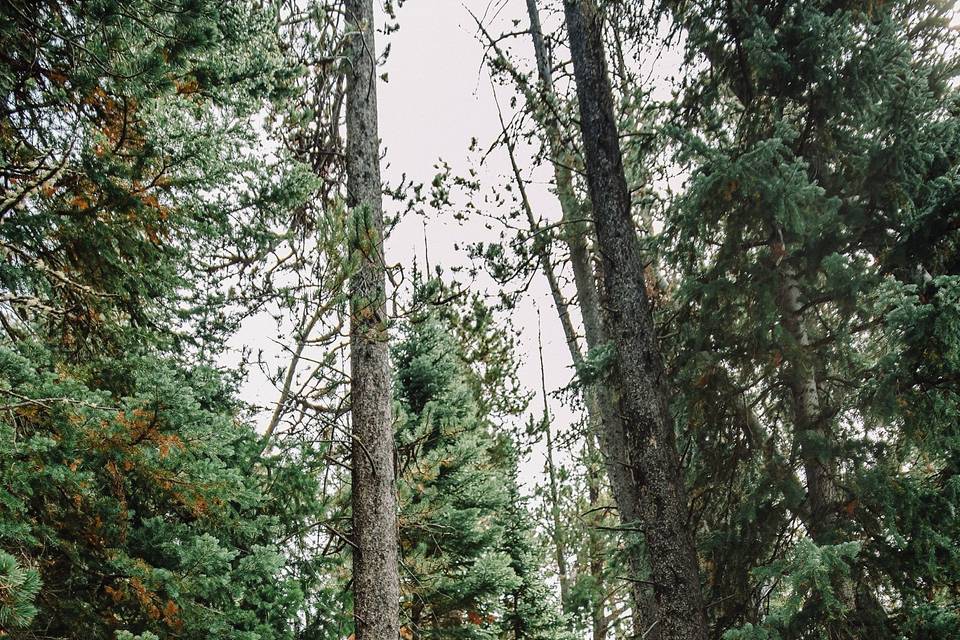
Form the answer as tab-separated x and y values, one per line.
813	432
809	427
374	500
559	546
650	441
602	413
594	550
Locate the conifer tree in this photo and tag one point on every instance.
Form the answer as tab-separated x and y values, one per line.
471	566
530	609
453	492
127	175
823	139
549	246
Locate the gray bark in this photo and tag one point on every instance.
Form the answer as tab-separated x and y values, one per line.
600	401
602	414
374	501
559	545
594	550
809	427
650	446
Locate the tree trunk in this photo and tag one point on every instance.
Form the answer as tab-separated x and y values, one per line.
602	413
813	432
808	425
374	501
559	546
594	550
650	446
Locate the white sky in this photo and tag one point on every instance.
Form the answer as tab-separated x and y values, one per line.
437	98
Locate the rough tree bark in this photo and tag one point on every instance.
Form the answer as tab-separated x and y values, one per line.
374	501
649	439
602	413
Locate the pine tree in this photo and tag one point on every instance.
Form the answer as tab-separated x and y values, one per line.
374	502
127	178
18	589
549	246
530	609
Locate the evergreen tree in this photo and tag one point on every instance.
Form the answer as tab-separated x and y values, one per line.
129	188
820	217
453	492
530	609
372	459
471	566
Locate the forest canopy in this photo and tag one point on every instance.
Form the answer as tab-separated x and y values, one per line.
229	411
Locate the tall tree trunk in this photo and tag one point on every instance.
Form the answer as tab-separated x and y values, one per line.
650	442
375	577
602	413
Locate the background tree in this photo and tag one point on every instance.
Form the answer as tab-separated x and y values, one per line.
453	492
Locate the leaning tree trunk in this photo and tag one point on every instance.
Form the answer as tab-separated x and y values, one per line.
650	442
602	413
375	578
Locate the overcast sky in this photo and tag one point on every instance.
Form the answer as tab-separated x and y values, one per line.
438	96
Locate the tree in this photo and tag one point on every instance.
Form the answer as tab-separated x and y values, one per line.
453	491
126	503
548	246
471	566
530	610
374	498
822	138
643	401
130	499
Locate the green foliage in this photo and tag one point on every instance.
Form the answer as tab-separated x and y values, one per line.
810	571
471	569
530	609
452	493
125	482
819	135
18	589
128	164
131	191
